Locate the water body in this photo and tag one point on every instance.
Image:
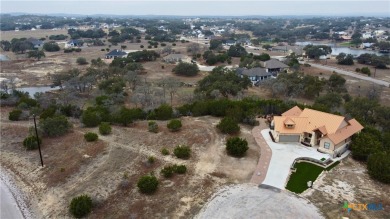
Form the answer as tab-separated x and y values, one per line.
33	90
338	49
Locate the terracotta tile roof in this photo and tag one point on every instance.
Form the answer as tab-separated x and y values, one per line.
317	119
346	132
295	111
332	126
300	125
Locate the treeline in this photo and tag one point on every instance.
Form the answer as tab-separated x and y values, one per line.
77	34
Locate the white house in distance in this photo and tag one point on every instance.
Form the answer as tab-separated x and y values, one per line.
330	133
116	53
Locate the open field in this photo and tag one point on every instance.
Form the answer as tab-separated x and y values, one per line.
40	33
109	169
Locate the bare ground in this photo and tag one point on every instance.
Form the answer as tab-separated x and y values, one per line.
109	169
349	182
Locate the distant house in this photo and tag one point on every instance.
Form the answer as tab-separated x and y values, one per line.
274	66
37	43
256	75
366	45
288	50
116	53
332	134
230	43
74	43
173	58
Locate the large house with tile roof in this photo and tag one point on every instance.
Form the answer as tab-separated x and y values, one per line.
330	133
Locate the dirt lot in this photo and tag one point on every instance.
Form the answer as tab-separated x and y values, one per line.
349	182
109	169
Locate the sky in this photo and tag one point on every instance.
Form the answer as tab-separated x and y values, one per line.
201	7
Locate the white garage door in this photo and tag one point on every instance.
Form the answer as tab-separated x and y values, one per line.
289	138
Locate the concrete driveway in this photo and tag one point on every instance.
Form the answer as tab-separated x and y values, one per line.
283	155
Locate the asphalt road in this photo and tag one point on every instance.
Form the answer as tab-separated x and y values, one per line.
8	206
352	74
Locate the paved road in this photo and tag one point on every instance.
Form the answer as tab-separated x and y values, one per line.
283	156
249	201
265	154
8	206
350	73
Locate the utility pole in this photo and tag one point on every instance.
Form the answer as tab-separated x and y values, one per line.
36	135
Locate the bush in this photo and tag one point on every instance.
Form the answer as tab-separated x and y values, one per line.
90	136
152	126
14	115
357	69
378	166
365	70
80	206
174	125
81	61
186	69
30	143
180	169
151	159
165	151
236	146
141	46
104	128
182	151
147	184
167	171
51	47
55	126
363	145
228	126
163	112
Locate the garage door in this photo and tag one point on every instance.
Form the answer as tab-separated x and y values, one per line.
289	138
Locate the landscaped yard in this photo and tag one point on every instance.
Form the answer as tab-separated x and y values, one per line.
305	172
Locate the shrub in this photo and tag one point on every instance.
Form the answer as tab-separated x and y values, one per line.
152	126
378	166
236	146
51	47
173	44
14	115
81	61
365	70
163	112
147	184
174	125
90	118
186	69
104	128
228	126
151	159
182	151
180	169
167	171
80	206
357	69
55	126
142	46
30	143
90	136
164	151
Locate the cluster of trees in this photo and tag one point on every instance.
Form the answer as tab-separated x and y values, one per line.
315	52
344	59
253	61
58	37
186	69
236	51
51	47
17	45
212	59
299	85
127	33
374	60
77	34
222	82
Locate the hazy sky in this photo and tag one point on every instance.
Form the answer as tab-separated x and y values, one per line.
187	7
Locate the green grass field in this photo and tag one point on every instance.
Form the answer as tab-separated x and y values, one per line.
305	172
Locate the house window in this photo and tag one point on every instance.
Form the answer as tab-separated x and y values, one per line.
326	145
